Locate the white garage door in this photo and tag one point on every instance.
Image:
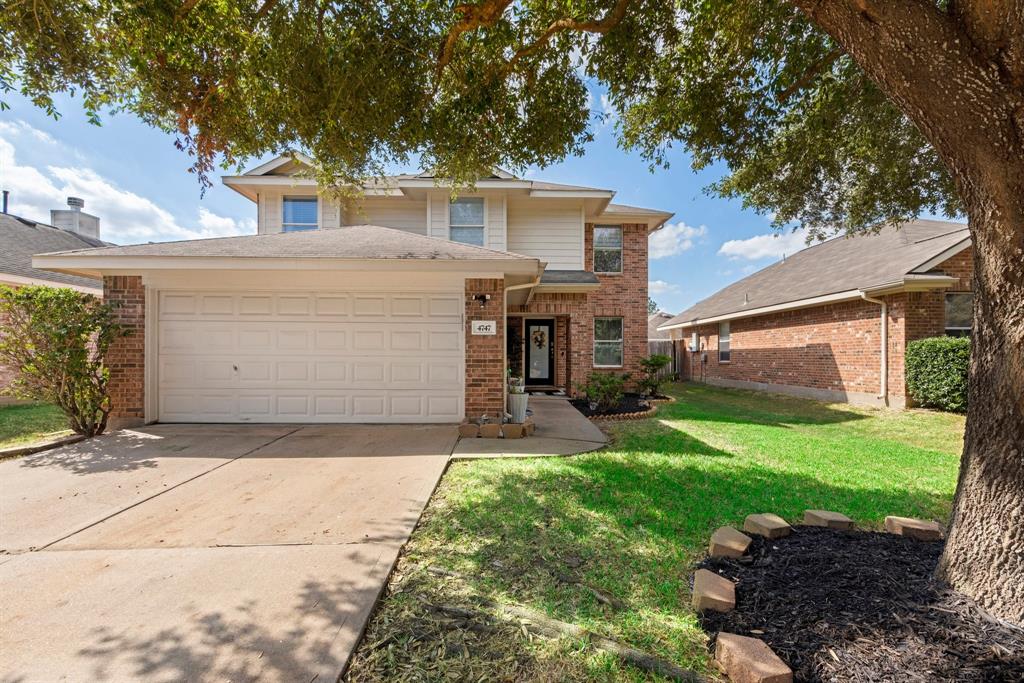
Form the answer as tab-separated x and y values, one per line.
310	357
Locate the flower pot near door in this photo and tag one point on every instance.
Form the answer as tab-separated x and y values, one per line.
517	407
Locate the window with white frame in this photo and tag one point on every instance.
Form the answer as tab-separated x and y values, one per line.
959	313
607	248
723	342
607	342
466	221
300	213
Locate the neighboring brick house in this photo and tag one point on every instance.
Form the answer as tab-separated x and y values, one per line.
20	238
813	324
404	305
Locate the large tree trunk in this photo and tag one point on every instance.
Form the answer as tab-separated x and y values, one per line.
959	76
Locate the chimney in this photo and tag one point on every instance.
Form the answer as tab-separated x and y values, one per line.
73	219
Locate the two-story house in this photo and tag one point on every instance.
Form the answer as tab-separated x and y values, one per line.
404	305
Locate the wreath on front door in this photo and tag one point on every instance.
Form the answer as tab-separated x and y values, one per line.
540	338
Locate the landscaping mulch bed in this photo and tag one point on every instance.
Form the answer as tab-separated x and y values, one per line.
863	606
629	405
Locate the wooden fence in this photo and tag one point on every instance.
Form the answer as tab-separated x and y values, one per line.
666	348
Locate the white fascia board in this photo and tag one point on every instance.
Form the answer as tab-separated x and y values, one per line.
911	283
574	194
652	221
944	255
568	288
95	265
847	295
430	183
275	180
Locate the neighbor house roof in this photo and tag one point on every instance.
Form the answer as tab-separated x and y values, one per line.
353	243
893	259
21	238
653	321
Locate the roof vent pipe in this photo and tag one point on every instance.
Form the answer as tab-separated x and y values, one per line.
7	193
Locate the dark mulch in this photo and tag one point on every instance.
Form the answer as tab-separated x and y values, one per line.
863	606
630	403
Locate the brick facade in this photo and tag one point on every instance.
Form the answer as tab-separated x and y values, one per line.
829	352
485	372
126	356
621	295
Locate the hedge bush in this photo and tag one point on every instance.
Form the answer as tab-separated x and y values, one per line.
937	372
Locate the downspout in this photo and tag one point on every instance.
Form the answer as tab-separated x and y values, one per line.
883	382
504	345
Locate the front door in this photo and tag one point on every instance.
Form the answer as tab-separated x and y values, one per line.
540	352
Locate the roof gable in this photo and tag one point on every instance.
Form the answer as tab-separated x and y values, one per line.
21	238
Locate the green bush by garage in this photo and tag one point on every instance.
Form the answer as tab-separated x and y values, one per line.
937	372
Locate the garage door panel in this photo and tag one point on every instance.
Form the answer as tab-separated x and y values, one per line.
310	357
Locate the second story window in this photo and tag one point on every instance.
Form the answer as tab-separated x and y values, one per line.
299	214
466	221
607	249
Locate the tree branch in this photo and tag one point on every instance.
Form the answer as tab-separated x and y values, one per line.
810	74
601	26
484	14
185	8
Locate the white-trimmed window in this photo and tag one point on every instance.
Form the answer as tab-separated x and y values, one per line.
300	213
466	221
607	342
607	248
959	313
723	342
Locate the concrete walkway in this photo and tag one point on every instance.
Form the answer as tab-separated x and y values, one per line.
561	430
202	552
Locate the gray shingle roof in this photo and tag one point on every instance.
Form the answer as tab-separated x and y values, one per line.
613	209
569	277
838	265
655	319
352	242
21	238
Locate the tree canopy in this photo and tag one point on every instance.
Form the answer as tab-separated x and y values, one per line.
363	85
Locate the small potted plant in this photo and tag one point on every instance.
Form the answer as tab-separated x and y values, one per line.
517	399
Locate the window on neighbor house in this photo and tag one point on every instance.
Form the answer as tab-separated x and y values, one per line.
959	313
466	221
723	342
607	249
608	342
299	214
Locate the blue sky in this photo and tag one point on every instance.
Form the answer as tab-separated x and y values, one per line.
134	178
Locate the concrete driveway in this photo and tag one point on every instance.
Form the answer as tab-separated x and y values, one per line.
204	552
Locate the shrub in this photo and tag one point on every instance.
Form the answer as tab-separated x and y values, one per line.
937	372
650	385
56	339
605	389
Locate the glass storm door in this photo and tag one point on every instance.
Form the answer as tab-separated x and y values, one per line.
540	352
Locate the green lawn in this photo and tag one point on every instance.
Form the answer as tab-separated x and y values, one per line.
26	423
638	514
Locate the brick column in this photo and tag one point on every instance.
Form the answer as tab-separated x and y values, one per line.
485	370
126	356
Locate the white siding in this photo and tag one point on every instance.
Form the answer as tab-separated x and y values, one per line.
390	212
496	233
548	229
439	214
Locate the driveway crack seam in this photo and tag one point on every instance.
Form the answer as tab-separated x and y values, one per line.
160	493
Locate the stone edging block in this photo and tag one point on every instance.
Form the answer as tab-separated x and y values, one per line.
918	529
728	542
768	525
827	518
749	660
713	592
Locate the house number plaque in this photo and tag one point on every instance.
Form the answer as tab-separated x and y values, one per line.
485	327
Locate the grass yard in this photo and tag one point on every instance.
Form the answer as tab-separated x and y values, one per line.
630	521
26	423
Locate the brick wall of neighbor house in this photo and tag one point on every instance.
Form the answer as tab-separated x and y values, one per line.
485	372
829	350
126	357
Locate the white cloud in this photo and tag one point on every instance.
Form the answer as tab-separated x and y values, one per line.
656	287
674	238
125	217
764	246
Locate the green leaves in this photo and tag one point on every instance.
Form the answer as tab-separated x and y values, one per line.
56	339
937	371
362	86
